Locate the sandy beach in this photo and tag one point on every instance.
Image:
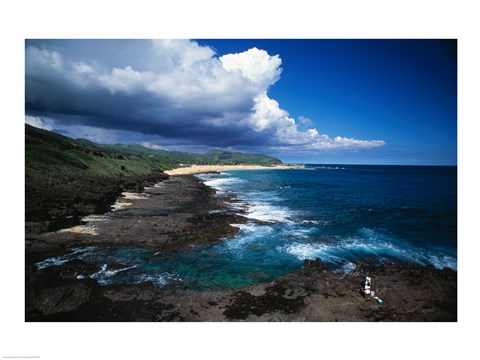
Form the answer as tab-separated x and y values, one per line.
198	169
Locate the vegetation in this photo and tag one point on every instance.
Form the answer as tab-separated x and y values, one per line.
183	158
52	157
235	158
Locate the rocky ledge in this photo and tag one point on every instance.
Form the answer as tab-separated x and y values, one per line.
58	204
171	214
409	293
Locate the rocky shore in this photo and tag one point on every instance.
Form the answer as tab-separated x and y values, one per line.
58	204
409	293
171	214
175	213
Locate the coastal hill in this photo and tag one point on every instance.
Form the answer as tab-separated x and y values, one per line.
213	157
66	179
48	153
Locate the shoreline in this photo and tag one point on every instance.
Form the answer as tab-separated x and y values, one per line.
170	215
199	169
309	294
174	215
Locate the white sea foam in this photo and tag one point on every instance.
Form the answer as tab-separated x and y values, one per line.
159	280
247	227
103	274
438	260
269	213
52	262
295	232
329	168
443	261
249	233
216	211
306	251
348	267
203	177
370	243
222	184
381	244
238	205
316	222
59	260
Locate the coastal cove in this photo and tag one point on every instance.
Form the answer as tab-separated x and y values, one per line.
209	248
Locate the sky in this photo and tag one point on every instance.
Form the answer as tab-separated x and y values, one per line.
303	101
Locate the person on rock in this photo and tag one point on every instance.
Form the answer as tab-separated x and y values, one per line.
366	288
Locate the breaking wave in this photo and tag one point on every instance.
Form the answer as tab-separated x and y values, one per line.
368	244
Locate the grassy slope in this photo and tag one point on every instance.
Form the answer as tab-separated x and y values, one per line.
212	157
49	155
226	157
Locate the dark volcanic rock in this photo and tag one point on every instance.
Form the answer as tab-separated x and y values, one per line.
54	290
409	293
314	265
75	268
274	300
64	298
173	215
60	204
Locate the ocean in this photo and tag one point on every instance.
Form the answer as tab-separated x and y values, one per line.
338	213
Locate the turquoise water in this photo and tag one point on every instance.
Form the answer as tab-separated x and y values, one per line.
337	213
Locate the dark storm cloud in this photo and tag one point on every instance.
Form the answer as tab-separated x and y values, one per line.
173	90
72	92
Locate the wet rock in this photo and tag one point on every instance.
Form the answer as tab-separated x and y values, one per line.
314	265
75	268
65	298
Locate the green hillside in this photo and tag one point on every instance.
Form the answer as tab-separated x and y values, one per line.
235	158
50	155
171	157
212	157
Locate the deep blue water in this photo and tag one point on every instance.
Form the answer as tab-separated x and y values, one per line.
338	213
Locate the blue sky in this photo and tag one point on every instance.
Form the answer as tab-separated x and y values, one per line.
314	101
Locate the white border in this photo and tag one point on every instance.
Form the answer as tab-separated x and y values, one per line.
222	19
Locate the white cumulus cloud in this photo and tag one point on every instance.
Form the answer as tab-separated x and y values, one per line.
255	65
